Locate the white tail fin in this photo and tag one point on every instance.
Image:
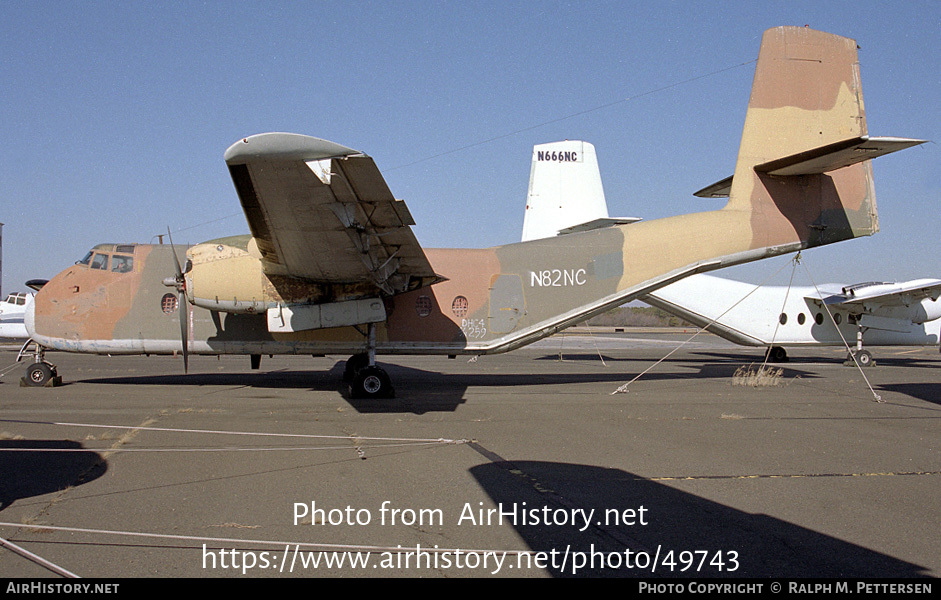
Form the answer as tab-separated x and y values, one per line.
565	191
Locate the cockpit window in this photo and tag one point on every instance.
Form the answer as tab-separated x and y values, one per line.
100	262
85	260
122	264
16	299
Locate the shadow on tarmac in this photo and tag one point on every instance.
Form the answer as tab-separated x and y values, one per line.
929	392
35	467
419	391
677	521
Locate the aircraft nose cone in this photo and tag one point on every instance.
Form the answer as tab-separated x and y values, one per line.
29	319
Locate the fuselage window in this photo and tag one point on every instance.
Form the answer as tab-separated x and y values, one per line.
423	306
818	318
838	318
100	262
459	307
122	264
783	318
800	319
169	303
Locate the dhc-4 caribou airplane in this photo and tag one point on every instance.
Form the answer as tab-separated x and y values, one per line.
332	266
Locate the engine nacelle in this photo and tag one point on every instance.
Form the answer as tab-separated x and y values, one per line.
227	277
926	310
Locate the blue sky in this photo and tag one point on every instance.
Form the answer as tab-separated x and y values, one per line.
116	114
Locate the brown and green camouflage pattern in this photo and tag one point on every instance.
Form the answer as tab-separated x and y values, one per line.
806	94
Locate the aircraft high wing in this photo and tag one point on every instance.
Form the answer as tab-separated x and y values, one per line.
870	297
322	212
331	265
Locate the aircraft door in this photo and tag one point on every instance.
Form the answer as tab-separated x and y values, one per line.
507	305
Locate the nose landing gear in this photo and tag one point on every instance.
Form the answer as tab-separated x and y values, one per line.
40	373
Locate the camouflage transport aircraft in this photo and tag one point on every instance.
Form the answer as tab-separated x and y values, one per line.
332	266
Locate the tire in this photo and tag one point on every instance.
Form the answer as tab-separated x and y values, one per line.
371	383
777	354
39	374
354	364
864	358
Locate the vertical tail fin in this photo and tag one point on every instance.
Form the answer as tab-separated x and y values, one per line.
806	94
803	163
565	191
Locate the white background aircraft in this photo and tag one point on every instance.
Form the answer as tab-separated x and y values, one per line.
12	311
882	314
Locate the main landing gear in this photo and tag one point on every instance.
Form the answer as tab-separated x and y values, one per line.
776	354
40	373
863	357
367	380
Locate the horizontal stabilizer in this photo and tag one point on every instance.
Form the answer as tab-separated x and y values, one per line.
719	189
599	224
835	156
820	160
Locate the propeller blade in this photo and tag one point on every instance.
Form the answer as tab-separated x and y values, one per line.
182	305
184	337
176	261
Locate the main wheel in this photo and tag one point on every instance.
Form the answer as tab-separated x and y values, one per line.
371	382
777	354
354	364
39	374
864	358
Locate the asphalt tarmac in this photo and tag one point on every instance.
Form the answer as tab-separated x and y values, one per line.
526	464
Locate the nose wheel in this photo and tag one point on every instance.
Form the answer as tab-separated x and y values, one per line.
40	373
